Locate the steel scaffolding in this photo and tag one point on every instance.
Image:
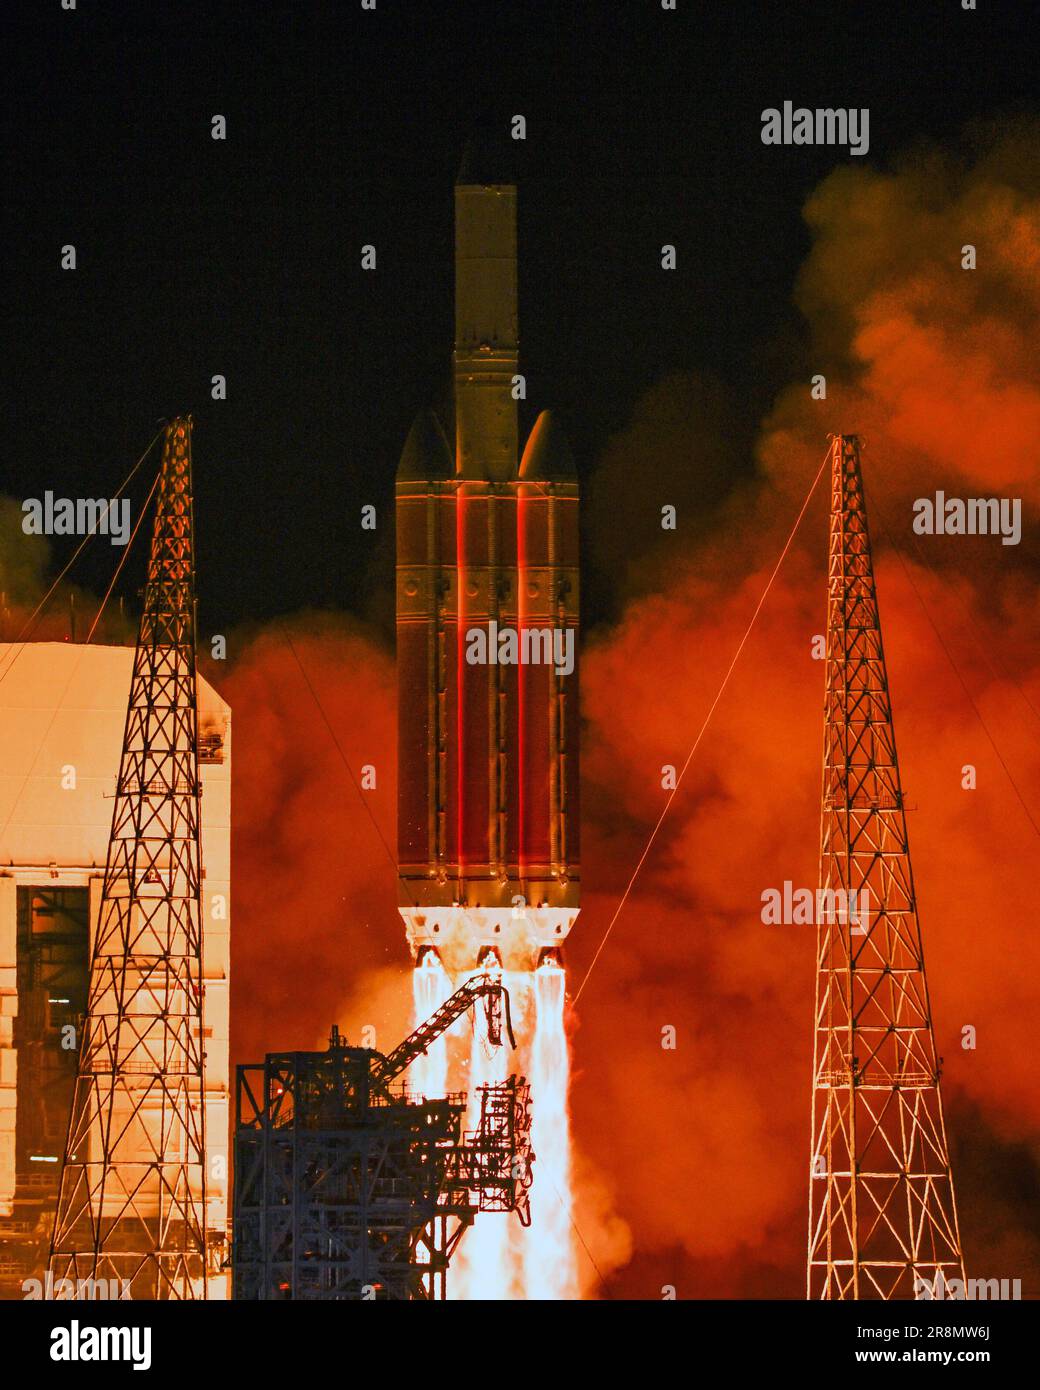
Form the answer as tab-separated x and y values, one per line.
348	1186
882	1217
132	1200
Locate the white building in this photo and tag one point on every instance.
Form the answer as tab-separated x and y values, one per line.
62	711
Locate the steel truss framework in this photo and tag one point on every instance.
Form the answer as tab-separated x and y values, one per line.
132	1200
882	1214
349	1187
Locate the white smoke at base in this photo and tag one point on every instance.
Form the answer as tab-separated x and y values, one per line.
431	986
482	1268
497	1259
549	1256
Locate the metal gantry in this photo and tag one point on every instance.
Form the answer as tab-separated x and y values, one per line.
882	1215
348	1186
132	1199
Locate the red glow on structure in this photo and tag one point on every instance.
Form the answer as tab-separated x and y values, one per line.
521	622
460	726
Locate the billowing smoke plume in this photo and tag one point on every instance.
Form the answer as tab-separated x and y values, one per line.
23	559
316	938
29	611
935	366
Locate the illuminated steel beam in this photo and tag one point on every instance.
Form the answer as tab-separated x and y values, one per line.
132	1201
488	987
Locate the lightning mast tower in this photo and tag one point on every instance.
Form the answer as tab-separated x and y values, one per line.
882	1215
132	1200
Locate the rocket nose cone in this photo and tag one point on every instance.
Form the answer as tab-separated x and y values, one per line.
426	453
547	455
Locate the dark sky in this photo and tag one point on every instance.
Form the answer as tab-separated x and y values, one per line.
345	127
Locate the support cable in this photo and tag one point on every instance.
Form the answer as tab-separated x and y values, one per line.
75	556
956	669
707	719
122	562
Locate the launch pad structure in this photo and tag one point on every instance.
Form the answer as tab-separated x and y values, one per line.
349	1186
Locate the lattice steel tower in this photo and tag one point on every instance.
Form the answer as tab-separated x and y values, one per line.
881	1205
132	1200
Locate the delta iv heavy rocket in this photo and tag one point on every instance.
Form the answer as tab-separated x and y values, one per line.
487	627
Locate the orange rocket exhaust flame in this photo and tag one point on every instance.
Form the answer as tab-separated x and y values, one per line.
549	1253
431	986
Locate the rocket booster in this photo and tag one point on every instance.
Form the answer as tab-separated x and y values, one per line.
487	628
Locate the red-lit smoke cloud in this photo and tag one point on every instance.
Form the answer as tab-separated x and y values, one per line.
936	367
26	611
315	896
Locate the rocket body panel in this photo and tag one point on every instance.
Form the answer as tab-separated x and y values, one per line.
418	632
487	619
486	346
549	732
446	749
536	684
510	774
476	684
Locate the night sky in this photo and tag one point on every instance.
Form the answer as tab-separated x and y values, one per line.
242	258
345	127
